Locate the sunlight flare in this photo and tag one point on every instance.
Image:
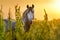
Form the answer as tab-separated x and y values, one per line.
57	5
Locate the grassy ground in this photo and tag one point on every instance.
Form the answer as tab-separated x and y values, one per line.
39	30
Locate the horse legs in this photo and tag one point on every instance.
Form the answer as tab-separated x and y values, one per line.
27	27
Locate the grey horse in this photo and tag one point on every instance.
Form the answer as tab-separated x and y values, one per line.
27	17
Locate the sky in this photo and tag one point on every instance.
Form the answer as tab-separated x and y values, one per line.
52	8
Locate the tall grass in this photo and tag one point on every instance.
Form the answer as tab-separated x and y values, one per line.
1	26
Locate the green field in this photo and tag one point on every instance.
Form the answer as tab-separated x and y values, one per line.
39	30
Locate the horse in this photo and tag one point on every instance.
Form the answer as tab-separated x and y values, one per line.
6	22
28	16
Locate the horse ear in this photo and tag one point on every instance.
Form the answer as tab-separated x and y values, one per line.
32	6
27	6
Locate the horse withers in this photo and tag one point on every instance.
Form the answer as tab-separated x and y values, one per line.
27	18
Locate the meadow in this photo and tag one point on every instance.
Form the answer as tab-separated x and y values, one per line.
39	30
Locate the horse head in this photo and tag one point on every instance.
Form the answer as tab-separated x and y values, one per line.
30	13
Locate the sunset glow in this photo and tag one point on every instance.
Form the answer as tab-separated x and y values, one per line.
57	5
52	7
